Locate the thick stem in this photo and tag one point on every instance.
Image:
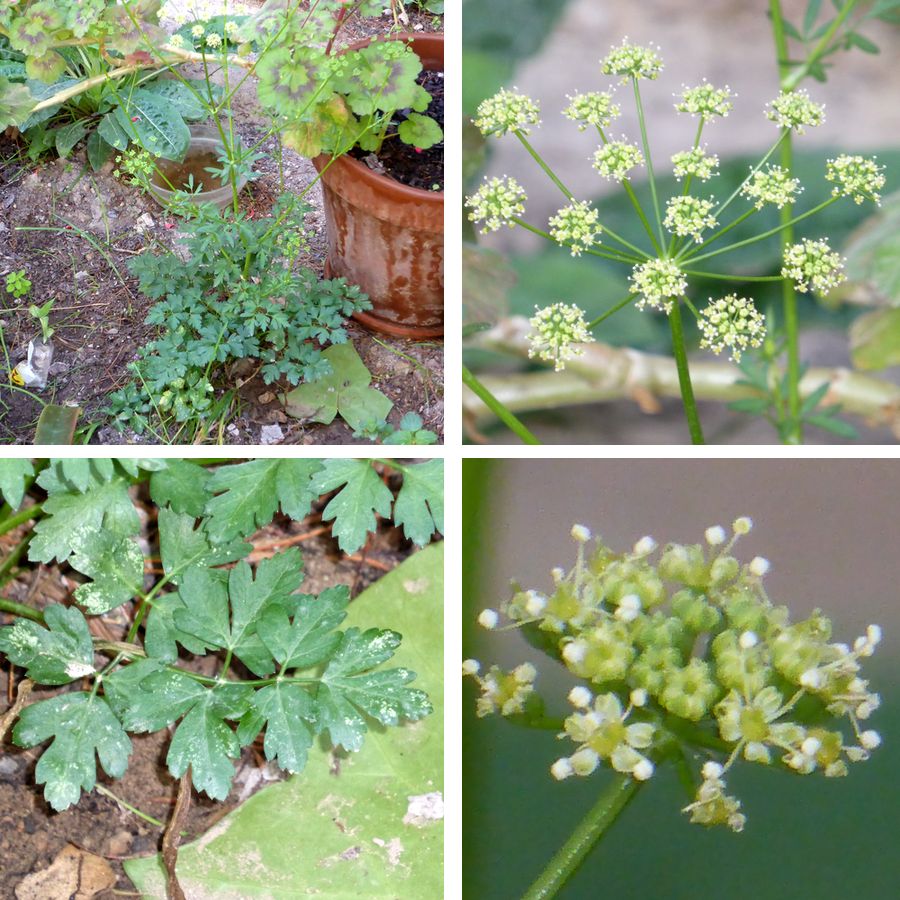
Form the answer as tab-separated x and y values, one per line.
497	408
18	609
684	375
584	838
21	517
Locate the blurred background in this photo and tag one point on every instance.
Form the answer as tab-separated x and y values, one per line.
551	48
828	527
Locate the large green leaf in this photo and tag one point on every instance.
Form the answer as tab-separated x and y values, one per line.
155	123
13	474
347	826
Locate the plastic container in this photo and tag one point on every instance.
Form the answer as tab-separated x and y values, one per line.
204	150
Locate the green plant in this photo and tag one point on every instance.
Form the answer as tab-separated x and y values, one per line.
682	233
17	284
410	430
284	667
42	315
681	660
236	297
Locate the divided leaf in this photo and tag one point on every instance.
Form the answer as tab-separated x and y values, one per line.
287	710
116	565
420	502
13	475
81	725
182	545
181	485
60	653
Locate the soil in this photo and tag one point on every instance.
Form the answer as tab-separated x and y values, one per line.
32	834
73	232
407	164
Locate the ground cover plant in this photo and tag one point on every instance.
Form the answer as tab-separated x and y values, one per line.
249	302
673	249
218	648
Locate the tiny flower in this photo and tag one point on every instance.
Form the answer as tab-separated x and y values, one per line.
645	546
595	108
705	101
198	31
580	697
856	177
176	40
870	739
471	667
575	226
535	604
696	163
213	40
795	109
711	770
813	265
715	535
581	533
561	769
759	566
642	770
774	186
496	203
507	111
748	640
616	159
231	29
629	608
632	61
488	619
556	330
659	282
638	697
742	525
732	322
505	692
712	805
689	216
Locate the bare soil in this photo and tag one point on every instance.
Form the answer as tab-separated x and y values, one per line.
32	834
73	231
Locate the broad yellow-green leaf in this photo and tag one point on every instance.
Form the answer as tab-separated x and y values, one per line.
368	824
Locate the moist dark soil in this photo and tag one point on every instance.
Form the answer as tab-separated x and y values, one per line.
407	164
32	834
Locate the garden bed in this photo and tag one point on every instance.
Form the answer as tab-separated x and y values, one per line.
92	224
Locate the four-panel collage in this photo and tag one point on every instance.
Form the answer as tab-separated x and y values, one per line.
234	663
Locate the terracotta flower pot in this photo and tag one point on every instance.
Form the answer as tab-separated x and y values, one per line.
387	237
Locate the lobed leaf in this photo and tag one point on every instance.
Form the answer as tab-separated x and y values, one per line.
420	502
13	475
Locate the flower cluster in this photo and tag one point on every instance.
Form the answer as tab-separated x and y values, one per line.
732	322
856	177
705	101
696	163
659	282
688	654
595	108
774	185
496	203
616	159
813	265
557	329
213	40
507	111
632	61
689	216
576	226
795	109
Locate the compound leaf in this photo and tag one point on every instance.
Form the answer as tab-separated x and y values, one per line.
204	595
420	502
81	724
60	653
287	710
183	545
353	509
116	565
183	486
13	475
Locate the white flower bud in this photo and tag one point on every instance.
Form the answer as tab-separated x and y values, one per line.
870	740
557	574
629	608
574	652
811	746
642	770
580	697
536	603
759	566
561	769
525	673
645	546
715	535
584	761
748	640
471	667
712	770
488	618
742	525
812	679
873	633
864	710
581	533
638	697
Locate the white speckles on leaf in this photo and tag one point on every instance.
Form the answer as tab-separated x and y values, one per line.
424	809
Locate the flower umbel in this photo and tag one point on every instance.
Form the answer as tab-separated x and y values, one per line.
595	108
632	61
502	692
576	226
774	185
732	322
856	177
689	216
659	282
705	101
507	111
556	330
813	265
795	109
696	163
616	159
496	203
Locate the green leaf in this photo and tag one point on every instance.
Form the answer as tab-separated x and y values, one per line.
286	708
116	565
47	67
16	103
69	135
13	475
420	502
875	340
833	425
81	725
153	123
345	391
368	794
170	90
183	544
420	131
60	653
183	485
812	13
250	493
751	405
353	509
204	595
112	132
813	399
98	151
162	635
311	637
855	39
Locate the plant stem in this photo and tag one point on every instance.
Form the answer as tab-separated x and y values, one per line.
584	838
540	161
613	309
497	408
22	516
790	79
722	231
718	212
23	612
613	255
647	158
684	375
718	276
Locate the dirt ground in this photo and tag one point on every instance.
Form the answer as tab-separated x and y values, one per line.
32	834
73	232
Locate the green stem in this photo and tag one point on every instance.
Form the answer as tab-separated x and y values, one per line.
790	79
497	408
641	215
540	161
647	158
13	558
718	276
613	309
684	375
20	610
753	171
583	839
605	254
722	231
24	515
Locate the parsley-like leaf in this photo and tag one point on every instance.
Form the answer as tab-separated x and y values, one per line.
420	502
13	474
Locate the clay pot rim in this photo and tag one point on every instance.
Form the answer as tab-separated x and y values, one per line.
360	169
